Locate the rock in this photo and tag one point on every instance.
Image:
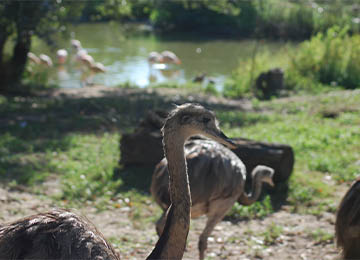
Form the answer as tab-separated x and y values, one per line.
270	83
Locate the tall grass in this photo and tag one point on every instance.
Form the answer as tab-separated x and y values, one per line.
329	60
332	58
324	146
242	81
302	19
271	18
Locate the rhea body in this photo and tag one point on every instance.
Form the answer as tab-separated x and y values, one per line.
57	234
185	121
347	225
217	180
61	234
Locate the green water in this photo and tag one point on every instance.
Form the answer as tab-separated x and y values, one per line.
125	56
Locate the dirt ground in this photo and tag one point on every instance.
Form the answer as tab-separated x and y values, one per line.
243	240
282	235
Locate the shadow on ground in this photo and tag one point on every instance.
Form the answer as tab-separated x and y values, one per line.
42	122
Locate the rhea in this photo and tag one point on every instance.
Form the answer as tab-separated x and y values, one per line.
217	180
347	225
63	235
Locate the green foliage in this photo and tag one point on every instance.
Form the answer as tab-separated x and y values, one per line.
321	237
272	18
87	166
331	58
208	16
326	61
242	81
272	233
235	118
257	210
285	19
19	21
302	19
322	145
19	161
105	10
191	87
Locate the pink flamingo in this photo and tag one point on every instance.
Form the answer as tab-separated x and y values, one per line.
166	57
45	60
61	56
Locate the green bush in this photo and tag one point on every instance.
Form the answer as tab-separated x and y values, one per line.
302	19
285	19
242	81
332	58
327	61
225	17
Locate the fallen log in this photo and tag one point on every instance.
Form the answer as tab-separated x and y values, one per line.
144	148
280	157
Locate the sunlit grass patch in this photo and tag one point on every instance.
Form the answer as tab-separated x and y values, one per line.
259	209
321	237
87	167
230	119
272	234
322	146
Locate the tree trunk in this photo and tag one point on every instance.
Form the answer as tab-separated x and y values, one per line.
26	20
3	37
4	34
12	71
21	49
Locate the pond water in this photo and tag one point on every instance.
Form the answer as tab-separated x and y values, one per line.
125	56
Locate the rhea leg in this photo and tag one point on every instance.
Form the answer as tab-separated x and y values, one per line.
216	213
160	224
210	225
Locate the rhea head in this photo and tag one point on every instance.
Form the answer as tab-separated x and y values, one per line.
193	119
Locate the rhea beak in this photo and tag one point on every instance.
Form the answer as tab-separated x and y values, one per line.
271	183
226	141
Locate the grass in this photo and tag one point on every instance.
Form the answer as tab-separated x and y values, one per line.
272	233
256	210
79	143
327	61
320	236
324	146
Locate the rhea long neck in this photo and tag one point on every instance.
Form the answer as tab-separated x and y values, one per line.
172	242
256	186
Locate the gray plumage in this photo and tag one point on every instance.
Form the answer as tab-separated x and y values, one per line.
347	225
217	180
57	234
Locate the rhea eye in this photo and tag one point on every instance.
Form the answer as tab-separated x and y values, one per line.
206	120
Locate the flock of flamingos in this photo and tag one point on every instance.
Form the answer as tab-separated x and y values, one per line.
61	234
89	67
